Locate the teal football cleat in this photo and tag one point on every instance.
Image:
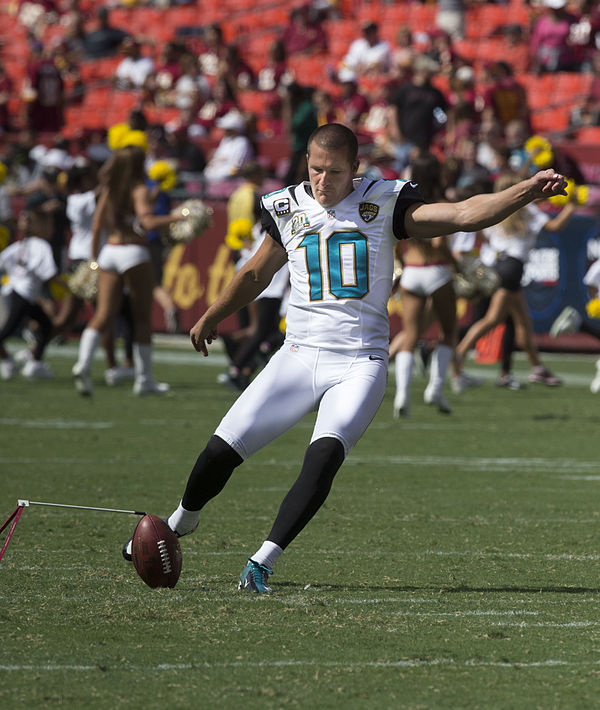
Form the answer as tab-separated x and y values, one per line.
254	578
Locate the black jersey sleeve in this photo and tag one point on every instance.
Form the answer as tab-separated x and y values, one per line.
269	226
408	195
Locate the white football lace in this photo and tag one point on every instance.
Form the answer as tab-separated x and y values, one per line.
164	556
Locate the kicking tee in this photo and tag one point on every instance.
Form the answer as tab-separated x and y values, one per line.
341	260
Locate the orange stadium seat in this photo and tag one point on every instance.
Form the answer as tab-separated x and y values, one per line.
482	20
589	134
550	120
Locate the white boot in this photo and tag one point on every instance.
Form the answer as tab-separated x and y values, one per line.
144	381
434	393
82	368
595	385
403	369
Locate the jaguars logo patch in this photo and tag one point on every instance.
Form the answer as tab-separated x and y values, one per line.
368	211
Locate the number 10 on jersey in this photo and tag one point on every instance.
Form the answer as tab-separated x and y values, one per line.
345	265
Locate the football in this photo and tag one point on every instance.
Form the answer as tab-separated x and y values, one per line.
155	552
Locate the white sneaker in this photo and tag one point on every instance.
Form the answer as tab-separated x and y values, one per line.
463	382
431	396
8	368
82	381
144	388
595	385
22	357
114	375
569	321
37	370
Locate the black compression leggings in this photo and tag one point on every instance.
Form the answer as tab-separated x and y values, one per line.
216	463
322	461
211	472
19	309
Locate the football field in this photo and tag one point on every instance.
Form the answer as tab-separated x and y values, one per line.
455	563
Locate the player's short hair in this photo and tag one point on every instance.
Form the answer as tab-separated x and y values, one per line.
335	136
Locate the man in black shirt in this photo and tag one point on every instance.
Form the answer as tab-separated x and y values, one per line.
420	107
106	40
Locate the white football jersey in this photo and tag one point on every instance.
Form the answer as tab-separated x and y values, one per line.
28	263
341	260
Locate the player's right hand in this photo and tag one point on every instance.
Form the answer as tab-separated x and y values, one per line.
201	335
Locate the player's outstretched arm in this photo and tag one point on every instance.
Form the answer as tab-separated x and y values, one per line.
439	218
245	286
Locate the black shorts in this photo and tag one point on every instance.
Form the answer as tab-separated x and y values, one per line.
510	271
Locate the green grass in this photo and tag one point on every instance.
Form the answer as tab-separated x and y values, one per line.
454	565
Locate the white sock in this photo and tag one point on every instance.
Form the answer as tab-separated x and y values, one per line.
440	360
142	360
87	347
268	554
183	521
403	371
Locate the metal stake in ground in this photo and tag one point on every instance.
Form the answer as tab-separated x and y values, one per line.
27	503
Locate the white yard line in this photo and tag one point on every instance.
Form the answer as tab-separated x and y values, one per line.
485	464
55	424
342	665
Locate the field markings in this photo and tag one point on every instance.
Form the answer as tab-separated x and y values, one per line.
169	357
485	464
548	624
468	612
480	463
565	557
350	665
55	424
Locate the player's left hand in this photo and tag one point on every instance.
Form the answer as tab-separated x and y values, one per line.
548	183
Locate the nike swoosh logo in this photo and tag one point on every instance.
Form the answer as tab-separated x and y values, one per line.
373	357
413	184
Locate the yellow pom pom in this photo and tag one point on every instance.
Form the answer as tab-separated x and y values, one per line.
58	290
163	173
582	193
593	308
233	242
562	200
4	237
540	150
116	134
239	232
3	171
137	138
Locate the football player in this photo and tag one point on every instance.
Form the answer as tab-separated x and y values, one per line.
337	234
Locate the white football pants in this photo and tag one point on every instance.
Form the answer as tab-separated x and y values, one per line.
346	387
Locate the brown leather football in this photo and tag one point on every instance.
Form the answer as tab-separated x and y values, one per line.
156	553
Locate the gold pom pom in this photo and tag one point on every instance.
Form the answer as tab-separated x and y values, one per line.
593	308
164	174
540	150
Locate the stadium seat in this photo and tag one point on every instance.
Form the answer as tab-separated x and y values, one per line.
589	134
551	120
483	19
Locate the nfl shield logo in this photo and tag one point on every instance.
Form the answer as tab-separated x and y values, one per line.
368	211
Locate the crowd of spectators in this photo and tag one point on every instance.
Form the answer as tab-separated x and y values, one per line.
416	93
